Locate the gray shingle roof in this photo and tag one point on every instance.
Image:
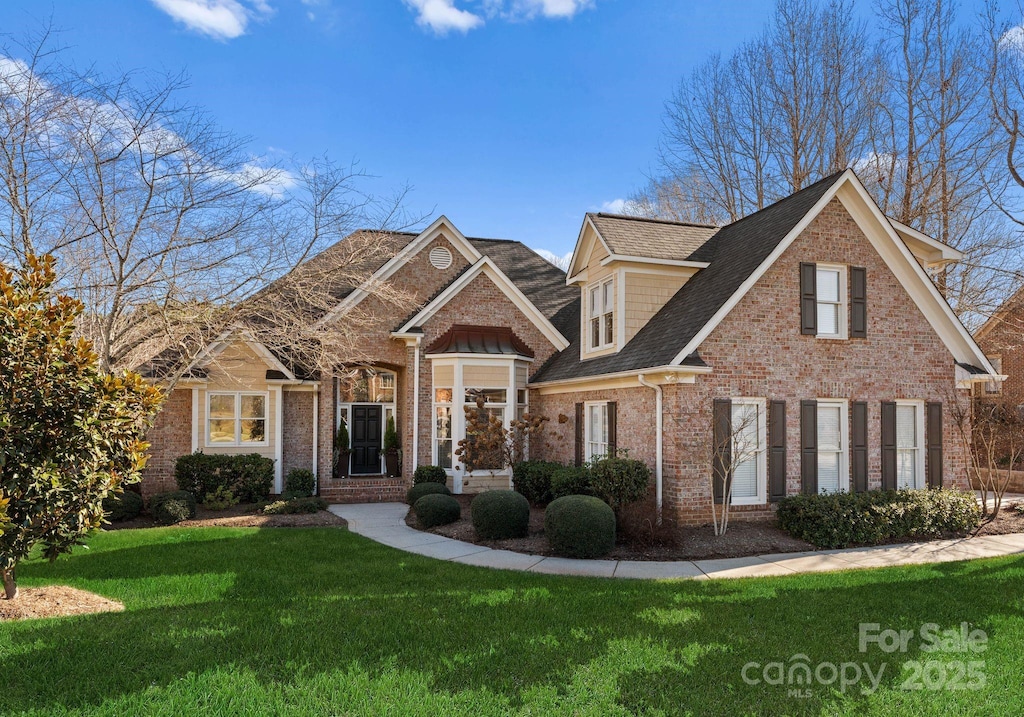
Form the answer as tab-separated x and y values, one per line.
651	238
734	252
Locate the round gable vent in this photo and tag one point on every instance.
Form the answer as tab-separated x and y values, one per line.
440	257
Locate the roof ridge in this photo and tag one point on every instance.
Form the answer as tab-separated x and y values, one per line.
655	220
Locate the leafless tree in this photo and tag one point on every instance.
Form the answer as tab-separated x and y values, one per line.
991	433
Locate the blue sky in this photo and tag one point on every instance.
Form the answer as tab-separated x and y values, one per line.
513	117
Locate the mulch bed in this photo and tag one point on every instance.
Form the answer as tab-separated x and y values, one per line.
240	516
1008	521
700	543
55	601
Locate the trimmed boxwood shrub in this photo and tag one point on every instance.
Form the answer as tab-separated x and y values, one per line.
173	507
533	479
836	520
580	526
250	477
429	474
296	505
437	509
570	480
122	506
620	481
421	489
300	482
500	514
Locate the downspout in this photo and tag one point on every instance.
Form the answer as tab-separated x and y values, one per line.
659	423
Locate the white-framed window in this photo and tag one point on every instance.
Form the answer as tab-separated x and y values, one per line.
995	387
495	401
830	289
596	429
236	418
909	444
750	461
443	436
833	457
601	314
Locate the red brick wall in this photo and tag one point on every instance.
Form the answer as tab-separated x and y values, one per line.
297	431
758	351
169	438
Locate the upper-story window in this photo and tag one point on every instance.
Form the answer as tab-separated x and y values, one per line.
831	301
601	312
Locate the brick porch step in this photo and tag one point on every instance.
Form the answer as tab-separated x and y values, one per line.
364	490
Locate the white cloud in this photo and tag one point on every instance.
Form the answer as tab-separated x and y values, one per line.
442	16
219	19
549	8
615	206
1013	39
559	260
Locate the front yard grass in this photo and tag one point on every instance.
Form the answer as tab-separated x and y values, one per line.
228	621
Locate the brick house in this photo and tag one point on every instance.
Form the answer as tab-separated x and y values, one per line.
814	316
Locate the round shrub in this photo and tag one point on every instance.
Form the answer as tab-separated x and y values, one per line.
500	514
421	489
437	509
570	480
580	526
122	506
429	474
533	479
173	507
300	482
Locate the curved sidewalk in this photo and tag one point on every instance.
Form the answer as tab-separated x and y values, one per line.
385	523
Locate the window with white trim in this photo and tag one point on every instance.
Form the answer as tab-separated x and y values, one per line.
486	405
832	447
749	462
236	418
830	288
443	427
601	312
909	446
596	430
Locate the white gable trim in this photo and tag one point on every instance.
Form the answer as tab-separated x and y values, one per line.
573	274
421	240
929	250
233	336
488	268
895	254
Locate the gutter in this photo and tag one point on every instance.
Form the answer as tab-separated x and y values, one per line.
659	446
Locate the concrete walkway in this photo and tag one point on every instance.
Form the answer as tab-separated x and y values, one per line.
385	523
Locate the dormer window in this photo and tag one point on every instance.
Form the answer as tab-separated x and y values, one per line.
602	323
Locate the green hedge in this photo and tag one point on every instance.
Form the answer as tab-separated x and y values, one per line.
122	506
250	477
533	480
837	520
570	480
300	482
173	507
437	509
500	514
580	526
296	505
421	489
429	474
619	481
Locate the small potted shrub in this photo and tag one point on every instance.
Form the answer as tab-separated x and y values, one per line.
392	446
341	451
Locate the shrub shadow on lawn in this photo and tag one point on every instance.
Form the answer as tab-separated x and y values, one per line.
289	605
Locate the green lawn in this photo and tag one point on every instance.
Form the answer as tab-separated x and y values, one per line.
318	621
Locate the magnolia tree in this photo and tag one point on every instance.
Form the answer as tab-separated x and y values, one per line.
69	434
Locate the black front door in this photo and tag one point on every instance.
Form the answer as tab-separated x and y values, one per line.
366	433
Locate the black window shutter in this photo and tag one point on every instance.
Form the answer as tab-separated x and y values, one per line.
858	302
933	419
888	445
859	443
809	446
579	434
776	450
808	299
613	442
722	440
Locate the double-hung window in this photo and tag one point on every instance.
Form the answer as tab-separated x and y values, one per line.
597	430
909	446
235	419
749	460
832	442
443	427
830	283
601	312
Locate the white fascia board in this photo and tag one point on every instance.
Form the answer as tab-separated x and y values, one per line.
658	262
239	334
651	374
392	265
487	267
937	252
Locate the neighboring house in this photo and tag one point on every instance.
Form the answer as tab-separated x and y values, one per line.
815	316
1002	339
